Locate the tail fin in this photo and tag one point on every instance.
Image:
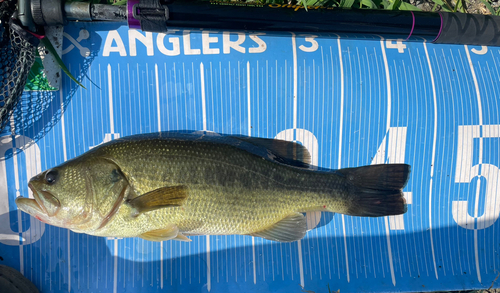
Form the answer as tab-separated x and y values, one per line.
376	190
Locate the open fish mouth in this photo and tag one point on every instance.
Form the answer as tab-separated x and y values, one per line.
30	206
34	206
37	199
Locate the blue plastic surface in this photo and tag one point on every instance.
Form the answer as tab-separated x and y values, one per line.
351	102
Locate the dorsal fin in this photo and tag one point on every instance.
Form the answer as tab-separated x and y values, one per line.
275	150
286	152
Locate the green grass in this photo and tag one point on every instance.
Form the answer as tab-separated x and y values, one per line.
441	5
350	4
491	9
36	79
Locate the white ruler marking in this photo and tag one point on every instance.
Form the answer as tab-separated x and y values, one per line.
158	97
248	101
65	157
480	159
389	104
340	146
433	157
253	261
203	98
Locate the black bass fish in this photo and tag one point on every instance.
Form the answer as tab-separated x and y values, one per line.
171	185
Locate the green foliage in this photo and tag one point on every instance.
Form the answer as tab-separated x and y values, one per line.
98	1
119	2
36	79
369	3
442	5
407	6
347	3
48	45
491	9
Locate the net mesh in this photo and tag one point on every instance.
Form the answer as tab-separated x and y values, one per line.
37	112
16	58
33	112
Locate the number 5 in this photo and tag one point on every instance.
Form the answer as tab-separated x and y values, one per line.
466	172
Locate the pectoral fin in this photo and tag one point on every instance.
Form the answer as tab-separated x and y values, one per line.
172	196
291	228
168	233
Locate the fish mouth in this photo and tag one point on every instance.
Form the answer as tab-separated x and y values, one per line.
31	206
43	204
37	200
46	200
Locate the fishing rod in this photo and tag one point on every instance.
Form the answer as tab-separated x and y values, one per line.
157	16
22	25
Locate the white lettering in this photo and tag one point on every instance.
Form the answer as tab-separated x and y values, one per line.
186	37
206	39
172	46
227	44
146	40
108	44
176	47
262	46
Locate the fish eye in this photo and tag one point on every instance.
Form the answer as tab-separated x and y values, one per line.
51	176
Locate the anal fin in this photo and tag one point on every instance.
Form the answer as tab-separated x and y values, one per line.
171	196
289	229
181	237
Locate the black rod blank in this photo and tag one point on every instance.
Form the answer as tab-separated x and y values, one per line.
153	15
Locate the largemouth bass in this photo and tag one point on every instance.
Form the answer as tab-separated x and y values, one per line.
171	185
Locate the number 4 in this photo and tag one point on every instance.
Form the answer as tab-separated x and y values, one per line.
392	150
398	45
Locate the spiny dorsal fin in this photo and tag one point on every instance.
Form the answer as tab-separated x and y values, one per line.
291	151
164	197
167	233
291	228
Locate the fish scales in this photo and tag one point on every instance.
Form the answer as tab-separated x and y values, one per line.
231	191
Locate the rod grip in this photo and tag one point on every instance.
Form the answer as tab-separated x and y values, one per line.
471	29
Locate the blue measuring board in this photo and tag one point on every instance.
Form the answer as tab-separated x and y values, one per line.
350	101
